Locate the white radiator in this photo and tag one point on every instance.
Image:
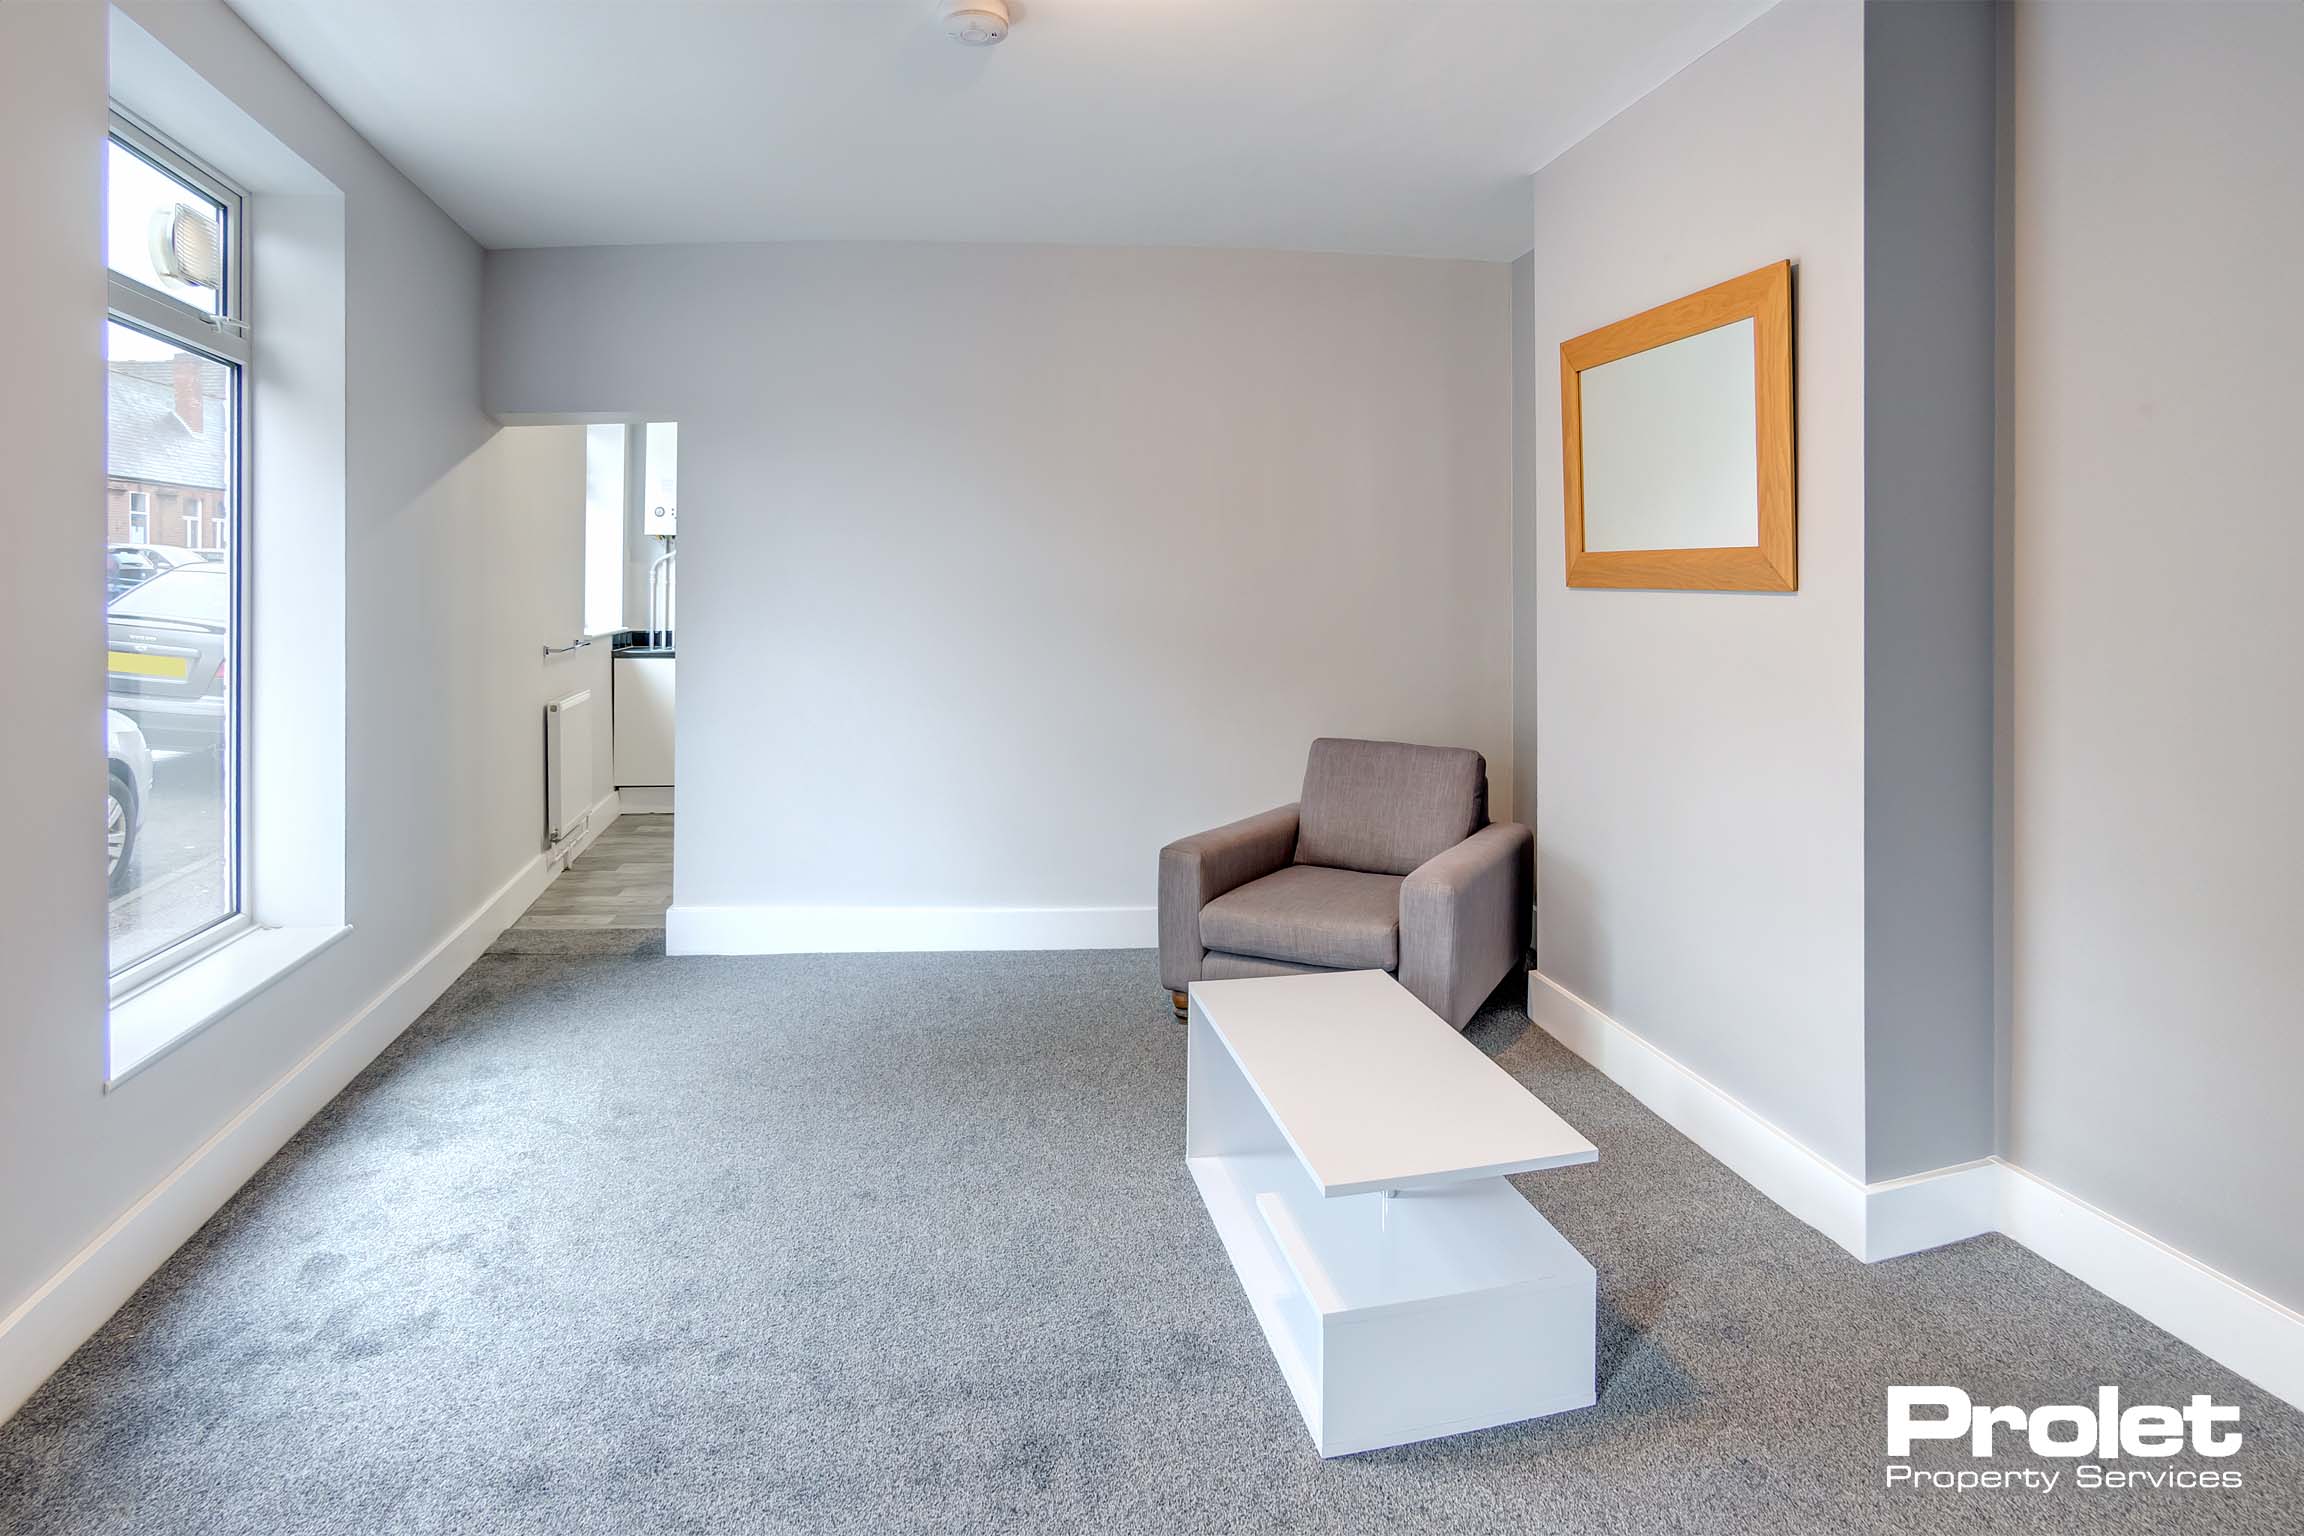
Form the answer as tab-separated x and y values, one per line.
567	767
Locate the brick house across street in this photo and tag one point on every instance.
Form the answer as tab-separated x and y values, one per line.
167	453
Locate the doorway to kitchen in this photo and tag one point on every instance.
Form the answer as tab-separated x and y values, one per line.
622	878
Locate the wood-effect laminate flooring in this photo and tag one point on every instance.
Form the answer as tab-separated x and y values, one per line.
624	880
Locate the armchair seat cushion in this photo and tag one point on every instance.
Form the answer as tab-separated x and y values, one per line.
1217	965
1312	915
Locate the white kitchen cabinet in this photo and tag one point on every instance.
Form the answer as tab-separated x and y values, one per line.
644	709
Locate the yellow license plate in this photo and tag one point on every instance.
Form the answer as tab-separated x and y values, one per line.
149	666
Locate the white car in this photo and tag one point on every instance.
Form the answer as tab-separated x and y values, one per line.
128	785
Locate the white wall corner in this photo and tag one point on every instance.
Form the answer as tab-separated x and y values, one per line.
1928	1210
693	929
44	1330
2237	1327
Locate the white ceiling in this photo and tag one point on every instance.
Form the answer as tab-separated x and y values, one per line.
1406	127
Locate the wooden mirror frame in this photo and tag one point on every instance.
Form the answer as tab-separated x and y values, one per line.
1765	298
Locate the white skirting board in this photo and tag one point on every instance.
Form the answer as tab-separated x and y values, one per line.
709	930
1912	1215
2231	1324
57	1318
2239	1328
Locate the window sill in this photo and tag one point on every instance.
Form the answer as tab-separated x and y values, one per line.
162	1016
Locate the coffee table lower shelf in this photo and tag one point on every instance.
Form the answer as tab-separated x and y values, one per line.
1397	1318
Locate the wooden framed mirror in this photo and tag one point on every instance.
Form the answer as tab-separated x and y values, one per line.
1676	443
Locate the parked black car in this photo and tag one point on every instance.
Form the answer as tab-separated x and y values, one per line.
167	667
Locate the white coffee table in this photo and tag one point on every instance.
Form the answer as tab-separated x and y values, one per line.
1351	1149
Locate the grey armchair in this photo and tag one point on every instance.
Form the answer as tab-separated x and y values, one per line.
1388	862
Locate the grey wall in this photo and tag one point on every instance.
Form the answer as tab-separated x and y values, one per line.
52	117
1928	455
1002	566
1700	756
2155	1048
446	603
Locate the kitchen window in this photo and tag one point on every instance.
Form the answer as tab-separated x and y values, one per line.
176	360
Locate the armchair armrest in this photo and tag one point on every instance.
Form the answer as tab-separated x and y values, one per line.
1464	919
1195	870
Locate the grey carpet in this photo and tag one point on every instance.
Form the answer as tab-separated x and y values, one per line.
615	1243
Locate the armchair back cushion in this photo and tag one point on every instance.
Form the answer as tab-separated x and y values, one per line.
1384	807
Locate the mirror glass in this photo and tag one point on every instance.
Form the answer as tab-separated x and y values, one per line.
1670	456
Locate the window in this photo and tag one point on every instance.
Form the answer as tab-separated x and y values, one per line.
604	528
176	356
162	230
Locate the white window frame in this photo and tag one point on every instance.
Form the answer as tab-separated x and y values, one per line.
618	572
224	337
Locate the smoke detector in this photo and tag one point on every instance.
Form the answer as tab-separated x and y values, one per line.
976	23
